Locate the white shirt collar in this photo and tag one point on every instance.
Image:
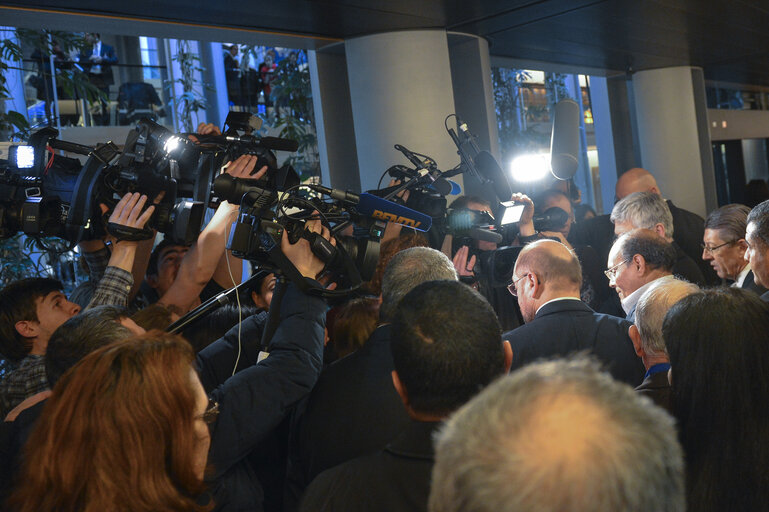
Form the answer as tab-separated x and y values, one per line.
555	300
741	277
629	302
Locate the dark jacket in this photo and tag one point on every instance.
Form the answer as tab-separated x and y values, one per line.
354	410
396	478
686	268
257	398
567	326
657	387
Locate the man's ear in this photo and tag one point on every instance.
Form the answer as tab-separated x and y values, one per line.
27	328
635	337
742	244
536	285
400	388
259	301
508	350
660	230
639	264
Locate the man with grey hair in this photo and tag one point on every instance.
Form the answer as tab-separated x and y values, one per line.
546	281
757	238
647	338
354	408
558	435
649	211
636	260
724	246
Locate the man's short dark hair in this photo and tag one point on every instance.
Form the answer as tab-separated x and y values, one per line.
18	302
541	199
446	345
656	251
81	335
759	217
152	266
731	219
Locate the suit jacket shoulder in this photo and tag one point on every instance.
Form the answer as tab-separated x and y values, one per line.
657	387
565	327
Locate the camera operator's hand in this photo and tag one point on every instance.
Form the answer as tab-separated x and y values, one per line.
243	167
300	253
463	266
128	213
526	224
208	129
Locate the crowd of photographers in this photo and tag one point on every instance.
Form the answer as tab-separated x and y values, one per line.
623	366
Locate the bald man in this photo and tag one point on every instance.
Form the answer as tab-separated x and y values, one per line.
546	280
688	227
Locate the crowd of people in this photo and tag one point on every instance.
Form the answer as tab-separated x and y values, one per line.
621	368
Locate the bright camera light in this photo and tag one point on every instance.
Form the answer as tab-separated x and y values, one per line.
171	144
24	156
532	167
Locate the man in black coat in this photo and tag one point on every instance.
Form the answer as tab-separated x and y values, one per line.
354	409
546	280
688	227
446	347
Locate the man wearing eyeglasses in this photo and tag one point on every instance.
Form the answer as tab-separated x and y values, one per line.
637	260
724	246
546	281
757	238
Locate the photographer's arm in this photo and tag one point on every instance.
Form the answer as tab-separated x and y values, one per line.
199	264
255	400
115	286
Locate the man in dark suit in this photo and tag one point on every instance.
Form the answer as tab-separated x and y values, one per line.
724	246
546	280
647	338
687	226
648	210
354	409
757	238
446	347
97	61
638	259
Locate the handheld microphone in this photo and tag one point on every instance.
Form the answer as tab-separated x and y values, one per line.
426	170
370	205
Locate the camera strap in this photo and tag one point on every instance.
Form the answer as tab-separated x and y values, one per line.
129	234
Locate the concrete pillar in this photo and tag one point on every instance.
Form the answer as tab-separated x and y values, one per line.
333	118
673	137
401	91
474	97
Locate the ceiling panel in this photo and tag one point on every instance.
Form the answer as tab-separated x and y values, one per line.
728	38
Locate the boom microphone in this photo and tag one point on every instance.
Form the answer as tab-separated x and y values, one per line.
564	141
426	170
370	205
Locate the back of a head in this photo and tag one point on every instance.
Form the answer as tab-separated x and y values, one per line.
446	345
731	220
652	308
657	252
213	326
18	302
554	263
389	249
118	429
558	436
716	340
644	210
759	217
406	270
354	324
634	180
81	335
